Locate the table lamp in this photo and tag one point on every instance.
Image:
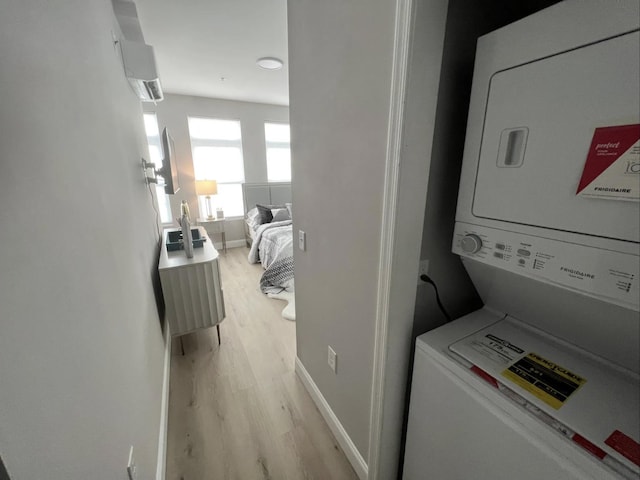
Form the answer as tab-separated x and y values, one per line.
207	188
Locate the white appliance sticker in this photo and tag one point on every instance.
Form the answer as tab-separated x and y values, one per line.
496	349
612	168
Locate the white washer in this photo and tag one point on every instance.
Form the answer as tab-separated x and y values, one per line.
462	427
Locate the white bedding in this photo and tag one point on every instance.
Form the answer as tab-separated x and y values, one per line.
267	230
273	247
252	233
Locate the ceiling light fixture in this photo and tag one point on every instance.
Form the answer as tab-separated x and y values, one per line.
270	63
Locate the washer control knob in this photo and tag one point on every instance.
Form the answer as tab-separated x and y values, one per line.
471	243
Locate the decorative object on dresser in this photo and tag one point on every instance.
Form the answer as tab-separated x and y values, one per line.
187	238
191	287
207	188
184	210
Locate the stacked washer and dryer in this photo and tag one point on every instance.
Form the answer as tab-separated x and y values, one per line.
543	382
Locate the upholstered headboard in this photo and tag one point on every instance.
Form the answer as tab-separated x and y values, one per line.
265	194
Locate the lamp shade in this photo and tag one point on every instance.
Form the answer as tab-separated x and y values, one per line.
206	187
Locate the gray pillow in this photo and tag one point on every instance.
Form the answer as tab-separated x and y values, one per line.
264	214
280	214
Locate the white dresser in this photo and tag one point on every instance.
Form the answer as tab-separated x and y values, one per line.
191	287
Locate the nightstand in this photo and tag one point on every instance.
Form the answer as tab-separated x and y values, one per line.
215	226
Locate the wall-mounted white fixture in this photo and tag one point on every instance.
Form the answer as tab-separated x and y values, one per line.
302	240
132	468
139	64
164	174
332	359
150	165
270	63
207	188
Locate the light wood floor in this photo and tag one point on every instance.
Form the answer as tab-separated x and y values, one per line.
238	411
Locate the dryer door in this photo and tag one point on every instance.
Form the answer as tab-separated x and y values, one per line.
539	125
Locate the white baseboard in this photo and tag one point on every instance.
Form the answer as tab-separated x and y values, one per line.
164	408
349	448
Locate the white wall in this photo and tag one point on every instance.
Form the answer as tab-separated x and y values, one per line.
173	111
340	57
81	348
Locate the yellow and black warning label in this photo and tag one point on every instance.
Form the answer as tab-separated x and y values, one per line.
548	381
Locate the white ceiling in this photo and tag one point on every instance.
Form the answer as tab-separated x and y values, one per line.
209	48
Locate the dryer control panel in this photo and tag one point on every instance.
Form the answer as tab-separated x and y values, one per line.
597	272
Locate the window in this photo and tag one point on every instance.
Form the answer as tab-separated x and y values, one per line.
155	155
216	146
278	143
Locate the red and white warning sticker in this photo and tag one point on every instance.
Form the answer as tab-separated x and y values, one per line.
612	169
625	445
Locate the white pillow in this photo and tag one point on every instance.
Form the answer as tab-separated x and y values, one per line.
252	218
290	209
280	214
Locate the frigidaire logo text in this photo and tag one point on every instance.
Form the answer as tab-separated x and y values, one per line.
578	273
612	189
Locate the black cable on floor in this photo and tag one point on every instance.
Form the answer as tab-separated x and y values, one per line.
428	280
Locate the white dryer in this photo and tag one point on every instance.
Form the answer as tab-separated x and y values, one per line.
543	382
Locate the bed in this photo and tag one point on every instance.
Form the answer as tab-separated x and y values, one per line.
269	233
264	194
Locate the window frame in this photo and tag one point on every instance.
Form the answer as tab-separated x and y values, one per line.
212	142
281	145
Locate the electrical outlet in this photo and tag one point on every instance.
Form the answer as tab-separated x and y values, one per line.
424	268
302	240
132	469
332	360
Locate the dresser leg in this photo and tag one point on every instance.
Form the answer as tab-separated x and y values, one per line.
181	346
218	329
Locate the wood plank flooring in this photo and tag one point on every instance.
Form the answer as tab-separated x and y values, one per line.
238	411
